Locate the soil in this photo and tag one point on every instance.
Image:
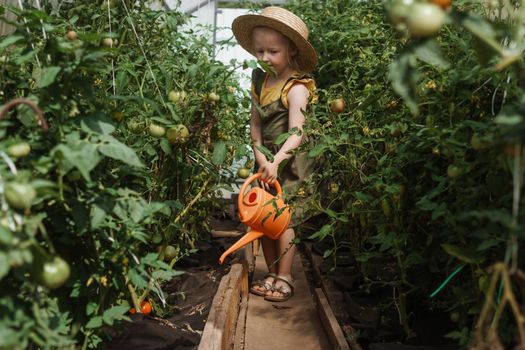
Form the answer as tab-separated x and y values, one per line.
369	312
189	297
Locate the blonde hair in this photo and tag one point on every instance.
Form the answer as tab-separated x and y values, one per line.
292	60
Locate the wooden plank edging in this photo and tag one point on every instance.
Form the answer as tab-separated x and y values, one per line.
219	331
330	324
326	313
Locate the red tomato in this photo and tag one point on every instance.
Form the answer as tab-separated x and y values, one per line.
145	308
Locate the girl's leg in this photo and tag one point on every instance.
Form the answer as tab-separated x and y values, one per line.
286	252
271	254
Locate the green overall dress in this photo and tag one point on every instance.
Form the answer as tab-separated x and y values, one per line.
273	111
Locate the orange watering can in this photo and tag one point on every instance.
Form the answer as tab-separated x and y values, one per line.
266	214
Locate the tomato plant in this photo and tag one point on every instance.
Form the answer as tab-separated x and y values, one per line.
423	154
93	195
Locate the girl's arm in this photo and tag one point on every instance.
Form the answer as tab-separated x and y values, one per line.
297	101
256	135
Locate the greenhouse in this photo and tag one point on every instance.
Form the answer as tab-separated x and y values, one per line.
243	174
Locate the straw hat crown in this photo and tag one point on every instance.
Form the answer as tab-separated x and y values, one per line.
282	21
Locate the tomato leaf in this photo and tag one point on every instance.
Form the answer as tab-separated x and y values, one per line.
83	156
6	236
403	76
365	256
4	265
115	313
97	215
483	31
465	254
426	204
249	64
10	40
119	151
94	123
267	153
137	279
429	52
94	322
327	253
322	233
487	244
219	153
317	150
281	138
45	76
509	117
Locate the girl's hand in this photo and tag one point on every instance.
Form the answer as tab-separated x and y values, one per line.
269	172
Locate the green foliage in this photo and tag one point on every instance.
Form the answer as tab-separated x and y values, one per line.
427	154
107	194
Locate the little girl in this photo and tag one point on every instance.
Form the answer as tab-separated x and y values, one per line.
279	38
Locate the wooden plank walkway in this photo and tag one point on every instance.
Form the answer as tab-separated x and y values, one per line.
293	324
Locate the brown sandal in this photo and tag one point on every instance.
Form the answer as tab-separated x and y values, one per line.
285	290
263	284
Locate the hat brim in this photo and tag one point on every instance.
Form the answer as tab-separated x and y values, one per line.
243	26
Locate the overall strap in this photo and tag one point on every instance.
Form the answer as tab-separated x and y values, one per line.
258	80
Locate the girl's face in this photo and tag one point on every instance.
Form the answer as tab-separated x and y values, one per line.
273	48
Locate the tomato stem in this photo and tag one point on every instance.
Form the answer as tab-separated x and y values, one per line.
134	298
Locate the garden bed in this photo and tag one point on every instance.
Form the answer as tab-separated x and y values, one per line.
368	317
203	308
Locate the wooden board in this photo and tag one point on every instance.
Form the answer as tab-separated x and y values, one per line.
330	324
219	331
332	296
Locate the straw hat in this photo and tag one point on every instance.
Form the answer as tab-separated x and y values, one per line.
282	21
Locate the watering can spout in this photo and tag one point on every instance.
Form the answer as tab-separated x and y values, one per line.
266	214
247	238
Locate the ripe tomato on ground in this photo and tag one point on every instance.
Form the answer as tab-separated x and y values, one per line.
145	308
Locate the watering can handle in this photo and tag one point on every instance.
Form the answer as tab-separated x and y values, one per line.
250	180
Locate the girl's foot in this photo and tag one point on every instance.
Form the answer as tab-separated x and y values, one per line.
262	287
282	290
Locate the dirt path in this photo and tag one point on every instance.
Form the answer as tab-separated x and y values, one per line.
294	324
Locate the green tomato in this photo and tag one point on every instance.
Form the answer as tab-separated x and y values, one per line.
107	42
334	187
117	116
243	173
170	253
156	130
213	97
176	96
54	273
398	11
178	134
385	207
453	171
478	143
425	20
134	126
19	195
19	150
